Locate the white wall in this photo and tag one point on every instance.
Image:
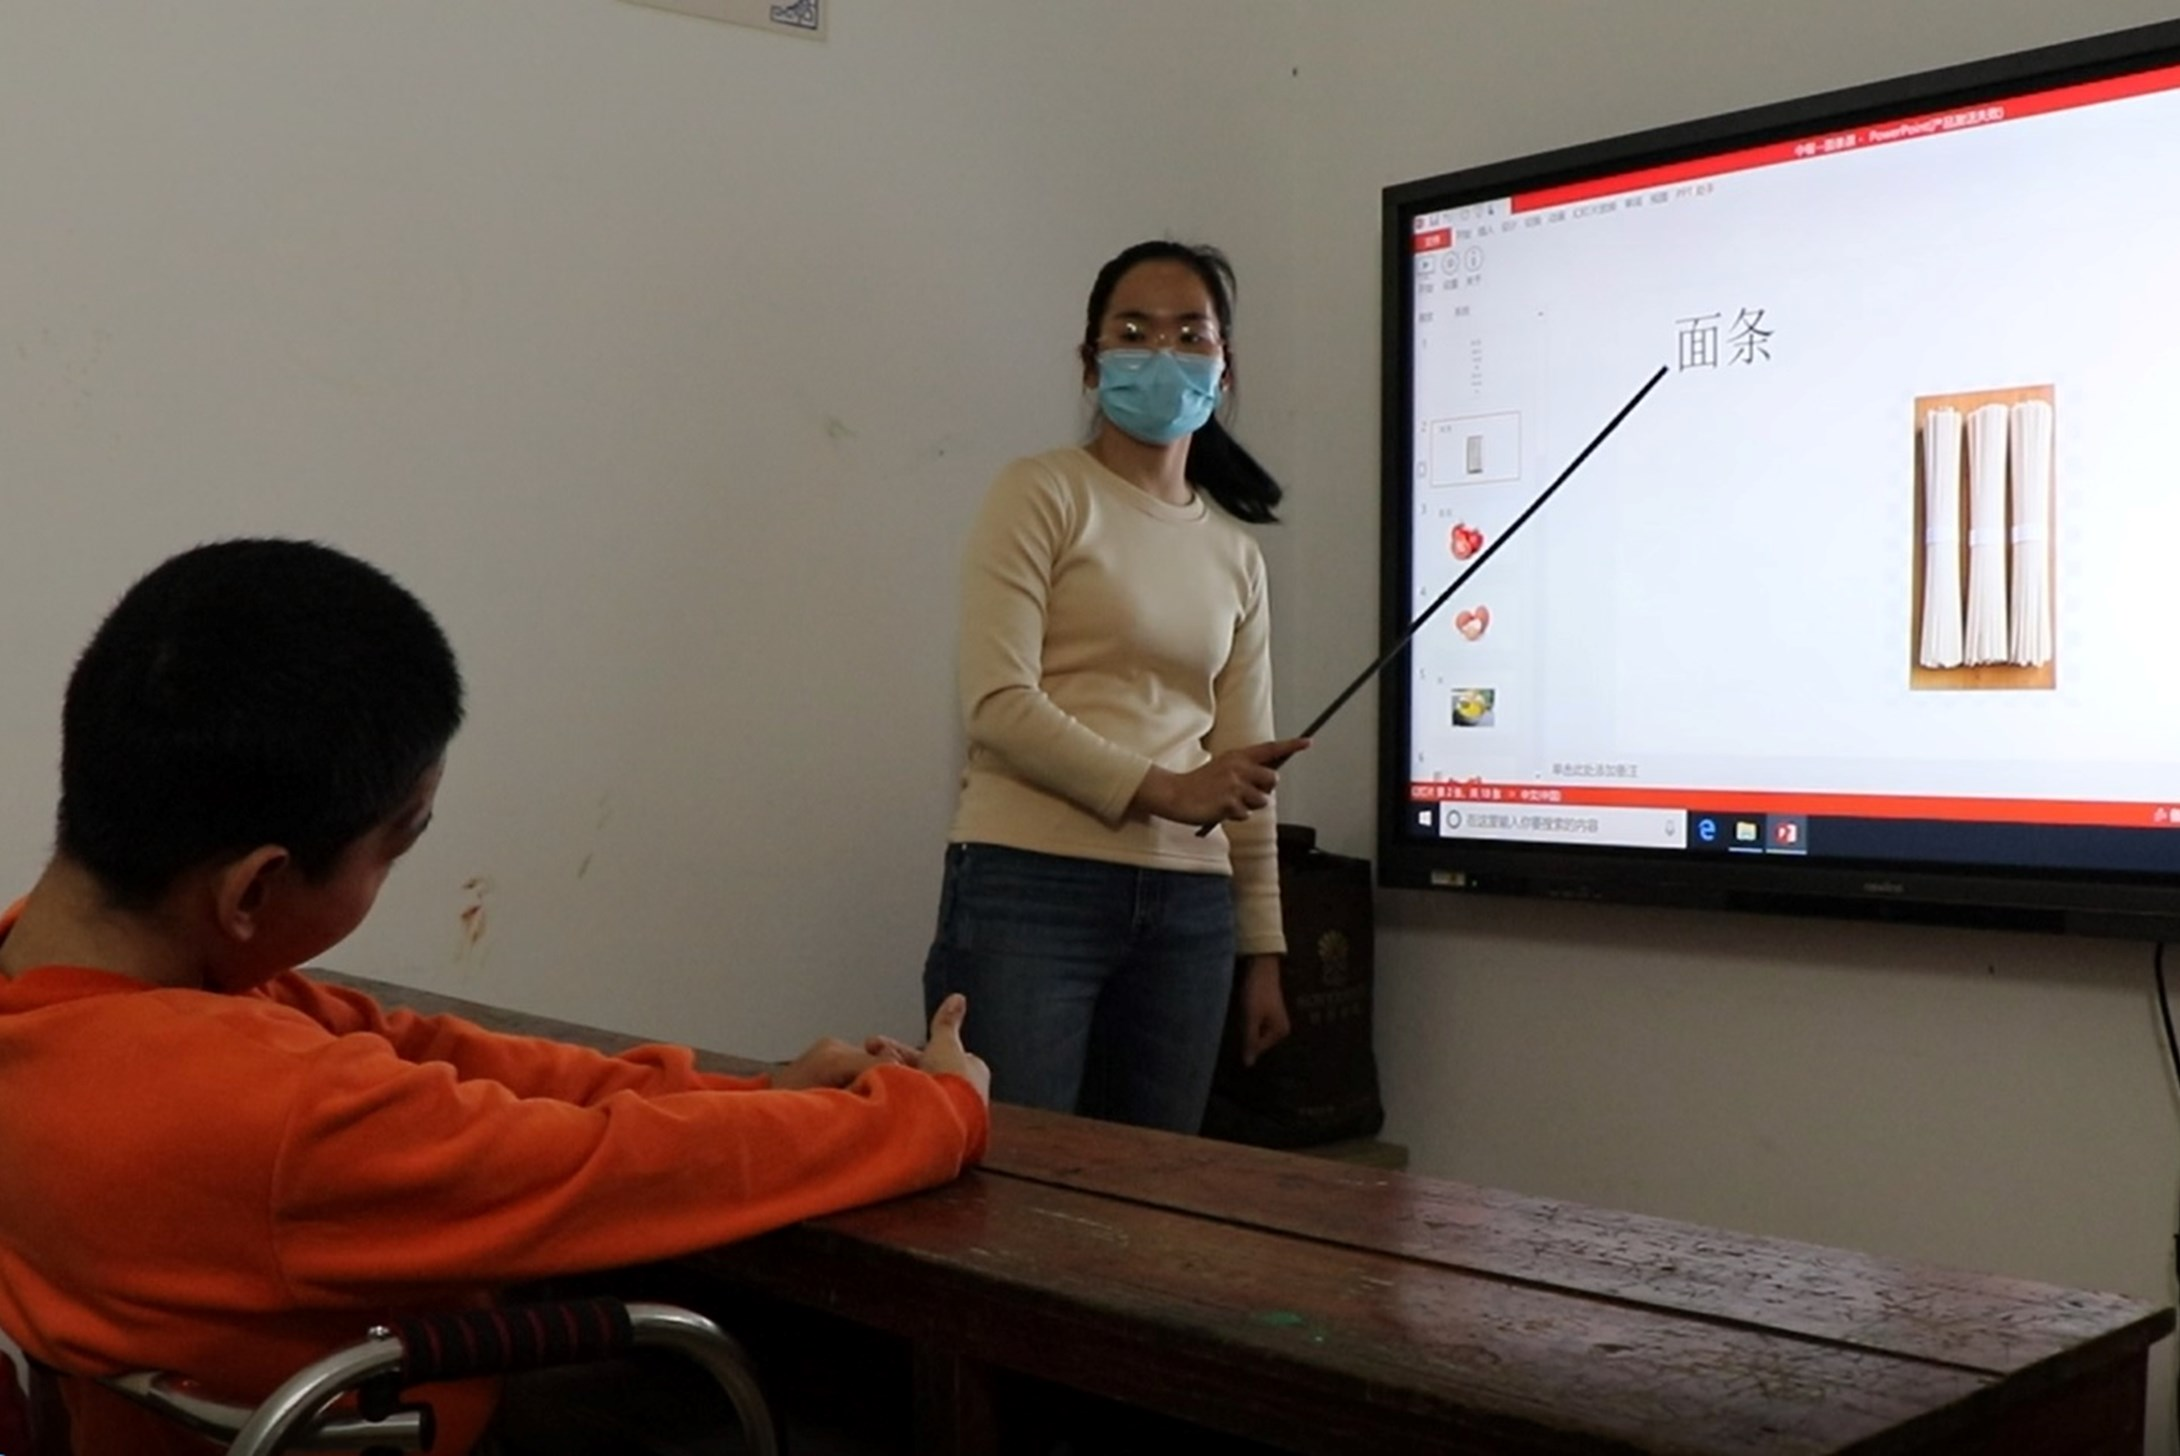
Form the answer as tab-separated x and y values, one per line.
665	359
1995	1102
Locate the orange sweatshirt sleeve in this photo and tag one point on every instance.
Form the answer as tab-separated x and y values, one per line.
528	1066
403	1178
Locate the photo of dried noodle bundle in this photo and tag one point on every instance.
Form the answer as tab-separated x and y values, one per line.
1982	564
2031	619
1985	630
1941	539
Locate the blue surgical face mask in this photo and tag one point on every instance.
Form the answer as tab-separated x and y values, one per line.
1157	395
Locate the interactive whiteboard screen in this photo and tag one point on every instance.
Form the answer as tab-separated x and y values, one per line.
1880	578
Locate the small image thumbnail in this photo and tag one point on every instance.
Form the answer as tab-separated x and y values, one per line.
1474	707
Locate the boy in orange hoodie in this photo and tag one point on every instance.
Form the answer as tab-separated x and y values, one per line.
217	1166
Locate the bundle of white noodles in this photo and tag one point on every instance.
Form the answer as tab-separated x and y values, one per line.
1941	539
2031	516
1986	625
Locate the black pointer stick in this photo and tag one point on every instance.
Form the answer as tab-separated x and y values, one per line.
1462	580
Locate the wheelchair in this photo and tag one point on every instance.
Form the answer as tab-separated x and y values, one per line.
310	1410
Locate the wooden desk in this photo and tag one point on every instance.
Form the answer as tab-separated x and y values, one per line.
1323	1308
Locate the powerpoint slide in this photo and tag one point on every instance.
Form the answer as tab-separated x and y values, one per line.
1896	521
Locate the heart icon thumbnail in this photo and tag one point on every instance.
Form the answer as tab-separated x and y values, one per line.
1473	623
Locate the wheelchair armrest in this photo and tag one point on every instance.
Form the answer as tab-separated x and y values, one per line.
451	1347
179	1402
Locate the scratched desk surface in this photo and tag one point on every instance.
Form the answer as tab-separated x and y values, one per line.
1324	1307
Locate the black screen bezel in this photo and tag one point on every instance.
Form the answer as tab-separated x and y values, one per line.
1963	893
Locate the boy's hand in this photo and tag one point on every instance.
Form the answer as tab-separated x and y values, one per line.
886	1049
944	1053
830	1062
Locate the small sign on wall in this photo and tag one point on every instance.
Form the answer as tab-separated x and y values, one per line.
804	18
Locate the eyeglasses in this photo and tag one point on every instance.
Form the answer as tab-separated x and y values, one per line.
1190	337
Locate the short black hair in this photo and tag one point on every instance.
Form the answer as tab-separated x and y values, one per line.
245	693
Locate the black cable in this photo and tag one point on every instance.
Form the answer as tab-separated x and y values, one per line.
2164	1006
2172	1045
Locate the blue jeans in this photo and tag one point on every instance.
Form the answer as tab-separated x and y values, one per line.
1094	988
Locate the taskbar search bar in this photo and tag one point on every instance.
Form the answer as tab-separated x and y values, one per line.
1565	824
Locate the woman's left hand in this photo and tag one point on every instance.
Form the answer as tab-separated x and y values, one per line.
1264	1022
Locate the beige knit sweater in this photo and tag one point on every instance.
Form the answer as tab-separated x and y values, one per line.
1102	631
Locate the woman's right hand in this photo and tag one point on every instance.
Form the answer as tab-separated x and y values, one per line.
1233	785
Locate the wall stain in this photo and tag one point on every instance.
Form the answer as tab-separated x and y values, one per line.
475	919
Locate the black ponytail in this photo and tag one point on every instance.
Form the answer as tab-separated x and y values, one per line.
1217	464
1230	475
